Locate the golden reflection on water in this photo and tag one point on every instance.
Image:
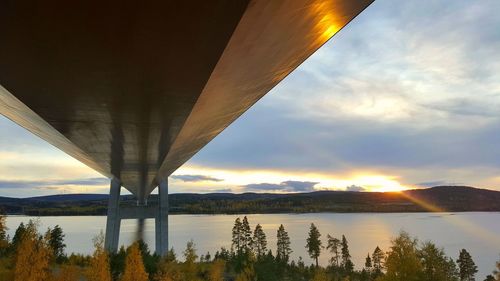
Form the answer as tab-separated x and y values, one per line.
466	225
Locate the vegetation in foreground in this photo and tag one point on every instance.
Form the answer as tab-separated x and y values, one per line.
33	256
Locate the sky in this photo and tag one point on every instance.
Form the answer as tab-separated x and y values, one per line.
406	96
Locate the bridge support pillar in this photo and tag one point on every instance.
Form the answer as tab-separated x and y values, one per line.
113	219
161	220
140	212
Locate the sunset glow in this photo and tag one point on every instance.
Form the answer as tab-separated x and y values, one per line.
237	180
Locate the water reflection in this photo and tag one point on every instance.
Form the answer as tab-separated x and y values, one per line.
363	231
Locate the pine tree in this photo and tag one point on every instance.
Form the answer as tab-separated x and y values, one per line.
16	240
56	242
378	257
247	274
313	244
134	265
237	236
283	249
368	263
466	265
98	269
247	235
489	278
333	246
346	256
259	243
32	256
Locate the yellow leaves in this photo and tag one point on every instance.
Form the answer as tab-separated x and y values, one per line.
67	273
320	275
134	266
6	272
216	271
98	269
32	256
169	271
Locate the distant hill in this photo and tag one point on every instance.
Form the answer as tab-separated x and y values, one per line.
439	198
70	197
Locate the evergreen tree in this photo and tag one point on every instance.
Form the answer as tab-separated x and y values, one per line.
368	263
134	265
224	254
171	256
21	229
237	236
283	249
489	277
259	243
466	265
247	235
333	246
168	268
378	257
98	269
32	256
402	262
346	256
56	243
313	244
247	274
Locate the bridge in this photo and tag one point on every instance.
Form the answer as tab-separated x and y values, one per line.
133	89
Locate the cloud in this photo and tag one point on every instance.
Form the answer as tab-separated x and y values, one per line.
286	186
52	184
431	183
222	190
195	178
437	183
300	185
356	188
405	89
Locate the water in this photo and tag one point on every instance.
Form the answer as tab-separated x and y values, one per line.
479	233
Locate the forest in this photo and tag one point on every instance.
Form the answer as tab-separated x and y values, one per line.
32	255
443	198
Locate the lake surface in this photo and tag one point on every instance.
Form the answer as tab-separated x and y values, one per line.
479	233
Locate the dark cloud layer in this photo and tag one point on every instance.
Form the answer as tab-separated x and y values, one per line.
46	184
355	188
195	178
286	186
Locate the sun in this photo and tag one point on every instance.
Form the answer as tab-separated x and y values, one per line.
379	183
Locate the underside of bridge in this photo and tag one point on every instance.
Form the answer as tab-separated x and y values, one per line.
134	89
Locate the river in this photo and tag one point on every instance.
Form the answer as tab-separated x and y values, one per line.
477	232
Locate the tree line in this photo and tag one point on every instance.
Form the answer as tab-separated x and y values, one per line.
35	256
